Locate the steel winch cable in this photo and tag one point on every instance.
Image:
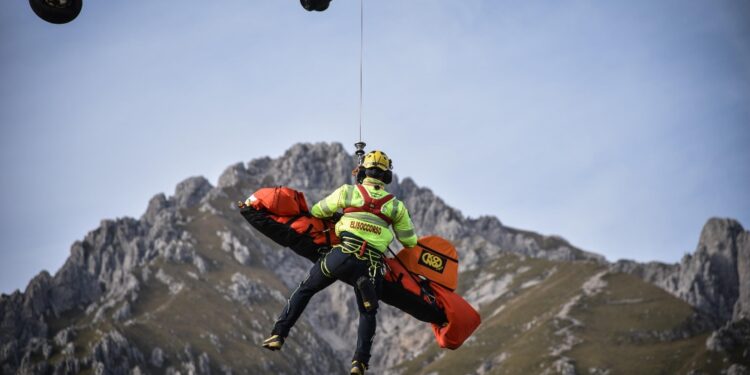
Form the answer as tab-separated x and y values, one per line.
361	63
360	146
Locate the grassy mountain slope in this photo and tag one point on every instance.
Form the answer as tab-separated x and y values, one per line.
558	316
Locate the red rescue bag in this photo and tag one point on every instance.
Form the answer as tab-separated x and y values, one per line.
280	201
398	274
322	231
462	319
289	206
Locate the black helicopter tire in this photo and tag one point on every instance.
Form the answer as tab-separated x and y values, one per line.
315	5
56	15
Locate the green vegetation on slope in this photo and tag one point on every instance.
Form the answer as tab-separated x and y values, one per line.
620	324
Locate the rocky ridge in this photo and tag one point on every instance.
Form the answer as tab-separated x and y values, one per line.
115	269
715	278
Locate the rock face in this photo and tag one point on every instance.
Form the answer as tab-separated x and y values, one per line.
715	278
190	284
710	278
99	275
742	307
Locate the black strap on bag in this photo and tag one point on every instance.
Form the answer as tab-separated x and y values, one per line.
423	284
292	220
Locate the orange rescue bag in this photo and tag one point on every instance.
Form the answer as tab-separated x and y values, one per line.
280	201
322	231
289	206
434	258
462	319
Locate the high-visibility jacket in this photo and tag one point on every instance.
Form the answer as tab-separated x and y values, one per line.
365	225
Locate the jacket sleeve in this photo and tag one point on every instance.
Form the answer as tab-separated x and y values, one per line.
333	202
403	226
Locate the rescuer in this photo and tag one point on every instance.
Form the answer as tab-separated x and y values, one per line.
369	211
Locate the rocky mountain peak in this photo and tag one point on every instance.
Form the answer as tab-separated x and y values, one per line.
709	278
190	259
719	237
189	192
315	168
715	278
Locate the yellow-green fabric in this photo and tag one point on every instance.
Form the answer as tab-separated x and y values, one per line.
365	225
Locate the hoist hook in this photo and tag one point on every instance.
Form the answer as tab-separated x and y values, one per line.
360	146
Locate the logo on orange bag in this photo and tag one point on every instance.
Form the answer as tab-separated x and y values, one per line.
432	261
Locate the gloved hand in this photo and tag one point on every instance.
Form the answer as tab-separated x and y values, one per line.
247	203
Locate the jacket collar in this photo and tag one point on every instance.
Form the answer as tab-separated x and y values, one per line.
370	181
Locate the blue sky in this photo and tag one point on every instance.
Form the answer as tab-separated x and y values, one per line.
622	126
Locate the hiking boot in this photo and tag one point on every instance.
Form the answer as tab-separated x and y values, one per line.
273	343
358	368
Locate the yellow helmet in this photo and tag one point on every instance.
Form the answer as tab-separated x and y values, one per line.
377	159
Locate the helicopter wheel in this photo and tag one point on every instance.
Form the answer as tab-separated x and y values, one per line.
315	5
57	11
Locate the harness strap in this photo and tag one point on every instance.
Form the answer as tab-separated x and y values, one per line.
372	205
328	236
373	269
354	245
